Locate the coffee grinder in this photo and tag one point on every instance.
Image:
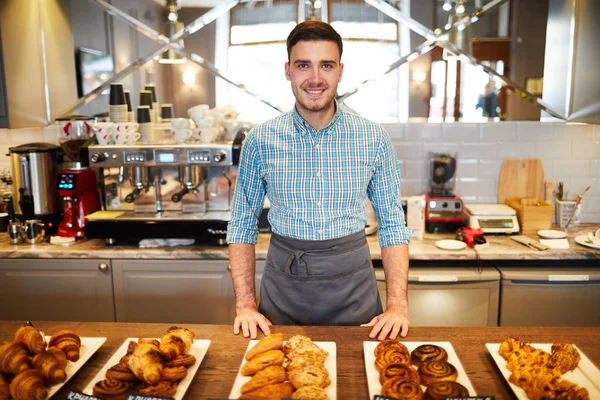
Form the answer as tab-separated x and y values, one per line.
443	210
77	186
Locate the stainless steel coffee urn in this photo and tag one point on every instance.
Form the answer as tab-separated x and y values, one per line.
34	168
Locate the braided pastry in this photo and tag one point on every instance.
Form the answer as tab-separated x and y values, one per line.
111	389
441	390
68	341
391	355
32	338
183	360
401	370
120	372
564	357
14	358
428	352
437	371
4	388
28	385
402	389
52	371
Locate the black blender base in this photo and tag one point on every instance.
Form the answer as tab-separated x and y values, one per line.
443	227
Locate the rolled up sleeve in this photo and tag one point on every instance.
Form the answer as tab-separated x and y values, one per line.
248	197
384	193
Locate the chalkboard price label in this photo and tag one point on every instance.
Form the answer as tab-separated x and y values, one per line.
144	397
75	395
379	397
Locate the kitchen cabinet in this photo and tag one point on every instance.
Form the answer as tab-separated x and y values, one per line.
451	295
173	291
56	290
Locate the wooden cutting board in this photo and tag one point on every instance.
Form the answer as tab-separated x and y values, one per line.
521	178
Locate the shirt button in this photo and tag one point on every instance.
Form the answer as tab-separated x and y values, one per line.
318	174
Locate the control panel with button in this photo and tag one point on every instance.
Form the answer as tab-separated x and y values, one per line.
134	157
199	157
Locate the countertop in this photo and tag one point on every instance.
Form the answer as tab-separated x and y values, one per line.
500	248
220	366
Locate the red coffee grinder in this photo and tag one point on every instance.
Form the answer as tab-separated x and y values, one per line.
443	210
78	188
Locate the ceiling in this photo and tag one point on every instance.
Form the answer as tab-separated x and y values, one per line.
194	3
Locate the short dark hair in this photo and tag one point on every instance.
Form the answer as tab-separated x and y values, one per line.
313	31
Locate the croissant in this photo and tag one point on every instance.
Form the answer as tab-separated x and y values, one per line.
58	355
14	358
28	385
51	369
32	338
176	341
146	363
68	341
4	388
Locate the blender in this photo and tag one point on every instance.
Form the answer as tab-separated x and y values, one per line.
443	210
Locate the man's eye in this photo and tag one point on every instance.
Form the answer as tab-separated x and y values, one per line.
302	66
327	66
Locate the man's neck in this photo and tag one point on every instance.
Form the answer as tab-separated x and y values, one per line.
317	119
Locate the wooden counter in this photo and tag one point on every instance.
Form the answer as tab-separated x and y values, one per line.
219	368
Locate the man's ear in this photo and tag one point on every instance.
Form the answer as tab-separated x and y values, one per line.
341	72
287	71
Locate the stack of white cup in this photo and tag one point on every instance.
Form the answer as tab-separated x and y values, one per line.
183	129
119	133
204	131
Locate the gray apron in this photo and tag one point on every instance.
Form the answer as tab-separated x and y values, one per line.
319	282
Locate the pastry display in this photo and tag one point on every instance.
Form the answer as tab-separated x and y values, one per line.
293	369
401	370
441	390
402	388
539	373
428	352
437	371
28	369
150	367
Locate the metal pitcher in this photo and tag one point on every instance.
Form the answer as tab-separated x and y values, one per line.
33	230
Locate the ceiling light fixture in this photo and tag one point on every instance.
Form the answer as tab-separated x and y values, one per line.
460	7
318	4
172	7
447	5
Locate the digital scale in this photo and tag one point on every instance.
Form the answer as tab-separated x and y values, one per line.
492	218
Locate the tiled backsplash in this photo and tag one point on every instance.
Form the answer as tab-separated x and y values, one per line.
569	152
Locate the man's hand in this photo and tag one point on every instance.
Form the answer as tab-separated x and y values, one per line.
393	321
248	319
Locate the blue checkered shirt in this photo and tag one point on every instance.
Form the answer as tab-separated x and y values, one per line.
318	182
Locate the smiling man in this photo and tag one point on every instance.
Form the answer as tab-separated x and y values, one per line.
318	165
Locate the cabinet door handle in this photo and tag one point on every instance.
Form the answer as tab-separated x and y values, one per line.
229	267
103	267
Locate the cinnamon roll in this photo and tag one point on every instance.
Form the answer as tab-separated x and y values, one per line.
110	389
402	389
400	370
428	352
441	390
437	371
183	360
387	343
120	372
391	355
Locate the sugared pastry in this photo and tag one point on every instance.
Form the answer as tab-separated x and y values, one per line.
32	338
268	376
275	391
400	370
309	375
273	341
28	385
437	371
299	345
392	355
120	372
310	393
68	341
428	352
110	389
400	388
262	361
441	390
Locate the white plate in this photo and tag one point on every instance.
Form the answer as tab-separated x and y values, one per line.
585	241
584	375
373	374
450	244
552	234
198	350
330	364
89	345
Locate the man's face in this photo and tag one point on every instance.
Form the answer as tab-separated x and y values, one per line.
314	70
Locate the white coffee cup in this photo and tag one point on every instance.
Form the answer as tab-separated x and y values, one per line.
103	131
125	127
125	137
205	122
205	135
198	112
181	135
181	123
132	137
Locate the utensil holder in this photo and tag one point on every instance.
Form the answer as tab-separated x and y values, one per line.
564	209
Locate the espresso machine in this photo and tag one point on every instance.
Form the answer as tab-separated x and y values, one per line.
443	209
153	191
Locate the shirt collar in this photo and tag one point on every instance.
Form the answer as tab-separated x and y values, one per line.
304	127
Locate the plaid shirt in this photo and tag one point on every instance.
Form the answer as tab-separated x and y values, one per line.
318	182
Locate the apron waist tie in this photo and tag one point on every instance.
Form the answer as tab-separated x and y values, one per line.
298	268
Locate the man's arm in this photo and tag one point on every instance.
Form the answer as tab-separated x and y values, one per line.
242	259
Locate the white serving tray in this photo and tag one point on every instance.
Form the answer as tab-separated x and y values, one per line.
585	375
198	350
330	364
373	374
89	345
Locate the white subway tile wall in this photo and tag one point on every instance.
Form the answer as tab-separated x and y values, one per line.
570	152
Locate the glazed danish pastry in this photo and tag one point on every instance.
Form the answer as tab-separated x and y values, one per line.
437	371
391	355
400	370
387	343
120	372
441	390
428	352
110	389
401	388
